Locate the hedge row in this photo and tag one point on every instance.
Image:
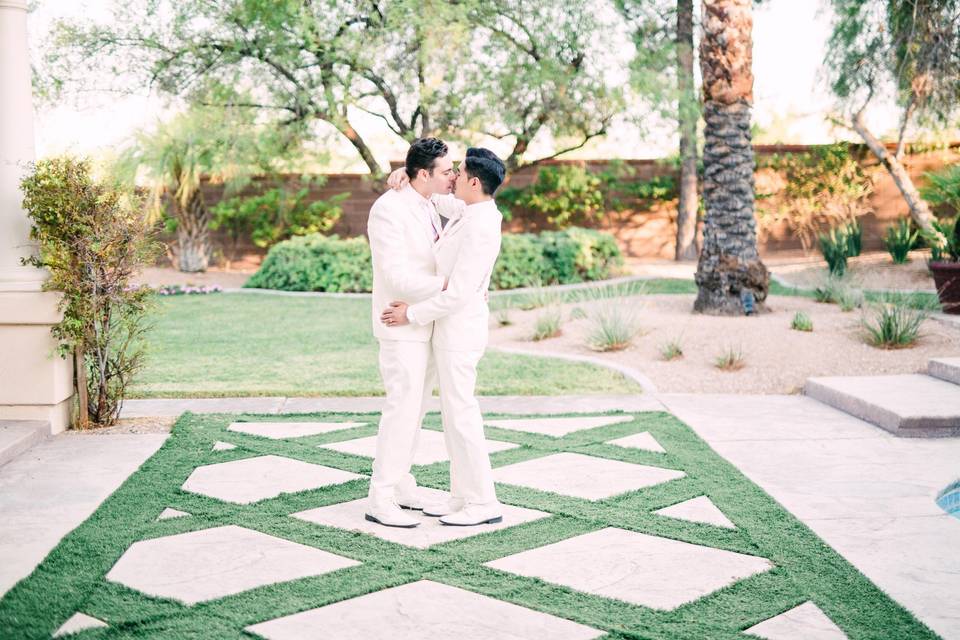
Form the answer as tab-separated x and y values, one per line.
328	263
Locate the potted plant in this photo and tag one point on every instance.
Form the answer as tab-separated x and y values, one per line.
944	189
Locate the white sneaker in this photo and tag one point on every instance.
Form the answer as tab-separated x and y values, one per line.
443	507
474	514
390	515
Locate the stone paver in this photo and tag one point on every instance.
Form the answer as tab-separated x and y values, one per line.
557	426
223	446
804	622
280	430
945	368
48	491
908	405
350	515
212	563
699	509
17	436
574	474
430	449
642	440
252	479
169	512
78	622
423	609
642	569
174	407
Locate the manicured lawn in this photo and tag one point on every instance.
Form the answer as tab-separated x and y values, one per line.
267	345
804	569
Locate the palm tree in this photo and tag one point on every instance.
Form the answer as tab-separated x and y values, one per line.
221	145
688	113
731	279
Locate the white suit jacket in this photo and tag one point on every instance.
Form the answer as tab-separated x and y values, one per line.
465	255
404	266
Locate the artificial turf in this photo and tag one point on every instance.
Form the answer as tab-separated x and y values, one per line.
71	578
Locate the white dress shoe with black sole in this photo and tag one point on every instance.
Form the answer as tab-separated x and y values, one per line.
473	515
391	516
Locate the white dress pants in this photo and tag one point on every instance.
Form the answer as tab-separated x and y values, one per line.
409	375
470	475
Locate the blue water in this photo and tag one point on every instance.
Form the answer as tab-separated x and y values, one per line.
949	499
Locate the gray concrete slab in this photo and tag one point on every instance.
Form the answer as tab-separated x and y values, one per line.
431	447
866	493
49	490
19	435
282	430
945	368
803	622
557	427
910	405
642	440
700	509
174	407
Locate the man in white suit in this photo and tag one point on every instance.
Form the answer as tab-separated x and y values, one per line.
403	227
465	255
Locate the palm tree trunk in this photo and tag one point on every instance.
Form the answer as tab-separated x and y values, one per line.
193	234
688	113
730	276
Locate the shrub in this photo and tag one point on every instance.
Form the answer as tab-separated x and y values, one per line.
565	194
613	325
943	188
92	239
949	249
850	299
521	262
854	233
731	359
316	263
555	257
899	240
892	325
547	324
275	215
801	322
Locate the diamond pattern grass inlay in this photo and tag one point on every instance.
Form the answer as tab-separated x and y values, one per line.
212	563
804	622
430	449
350	515
589	477
423	609
557	426
253	479
280	430
646	570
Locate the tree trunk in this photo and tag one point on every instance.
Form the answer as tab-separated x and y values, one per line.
193	234
83	391
919	210
688	113
730	276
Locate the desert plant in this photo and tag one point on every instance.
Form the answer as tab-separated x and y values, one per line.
949	249
854	233
899	240
613	325
93	237
801	322
890	324
577	313
850	298
731	359
671	349
547	325
835	247
830	289
503	318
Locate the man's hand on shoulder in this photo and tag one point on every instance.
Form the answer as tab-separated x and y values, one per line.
395	315
398	179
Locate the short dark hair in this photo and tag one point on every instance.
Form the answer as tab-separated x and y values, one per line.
484	164
423	154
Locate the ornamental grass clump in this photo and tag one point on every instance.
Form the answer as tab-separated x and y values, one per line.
547	324
671	350
900	239
613	315
731	359
890	324
801	322
93	237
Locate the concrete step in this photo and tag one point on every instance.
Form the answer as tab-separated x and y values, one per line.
16	436
945	368
912	405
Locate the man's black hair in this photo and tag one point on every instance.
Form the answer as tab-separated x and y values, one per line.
484	164
423	154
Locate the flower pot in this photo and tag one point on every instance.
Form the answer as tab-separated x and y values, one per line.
946	277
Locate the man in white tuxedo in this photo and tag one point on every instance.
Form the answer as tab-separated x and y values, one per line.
403	227
465	255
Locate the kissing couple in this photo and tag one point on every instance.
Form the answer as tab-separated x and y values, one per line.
430	316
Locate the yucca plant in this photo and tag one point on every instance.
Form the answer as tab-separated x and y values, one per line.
854	234
899	240
801	322
835	248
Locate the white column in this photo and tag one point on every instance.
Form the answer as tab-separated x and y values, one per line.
35	384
